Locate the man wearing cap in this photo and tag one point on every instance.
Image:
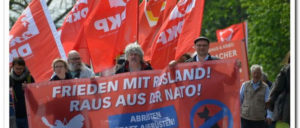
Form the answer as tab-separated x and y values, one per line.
201	45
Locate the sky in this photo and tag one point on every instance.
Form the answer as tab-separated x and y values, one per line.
56	8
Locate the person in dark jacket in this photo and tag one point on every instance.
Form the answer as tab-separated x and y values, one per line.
133	60
60	67
201	45
18	78
279	100
266	80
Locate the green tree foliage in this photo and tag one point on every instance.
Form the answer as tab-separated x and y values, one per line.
219	14
269	33
268	28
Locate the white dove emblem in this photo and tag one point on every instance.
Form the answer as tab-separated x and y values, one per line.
177	14
228	38
75	122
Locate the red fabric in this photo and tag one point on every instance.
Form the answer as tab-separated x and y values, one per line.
34	37
232	50
62	101
233	32
72	34
151	16
108	29
184	24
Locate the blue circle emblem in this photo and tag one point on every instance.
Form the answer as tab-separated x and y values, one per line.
214	119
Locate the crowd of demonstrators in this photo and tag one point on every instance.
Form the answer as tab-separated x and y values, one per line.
18	77
253	97
75	67
61	70
279	100
133	60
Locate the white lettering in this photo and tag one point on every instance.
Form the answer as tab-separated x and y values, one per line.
115	21
56	90
91	89
172	33
101	25
74	105
22	51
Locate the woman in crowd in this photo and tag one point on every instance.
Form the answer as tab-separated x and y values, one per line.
61	70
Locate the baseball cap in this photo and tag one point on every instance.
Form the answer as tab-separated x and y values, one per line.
201	38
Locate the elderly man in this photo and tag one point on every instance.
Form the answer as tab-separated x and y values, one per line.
77	67
133	60
253	97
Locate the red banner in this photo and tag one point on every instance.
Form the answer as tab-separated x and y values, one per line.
190	95
72	36
177	33
233	32
34	37
108	29
232	50
152	14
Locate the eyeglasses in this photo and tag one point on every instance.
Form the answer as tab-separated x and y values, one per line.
75	58
60	66
19	69
202	45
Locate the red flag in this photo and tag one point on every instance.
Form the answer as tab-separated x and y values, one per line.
177	33
34	37
233	32
151	16
72	36
108	29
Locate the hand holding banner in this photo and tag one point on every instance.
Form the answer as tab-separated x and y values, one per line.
232	50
